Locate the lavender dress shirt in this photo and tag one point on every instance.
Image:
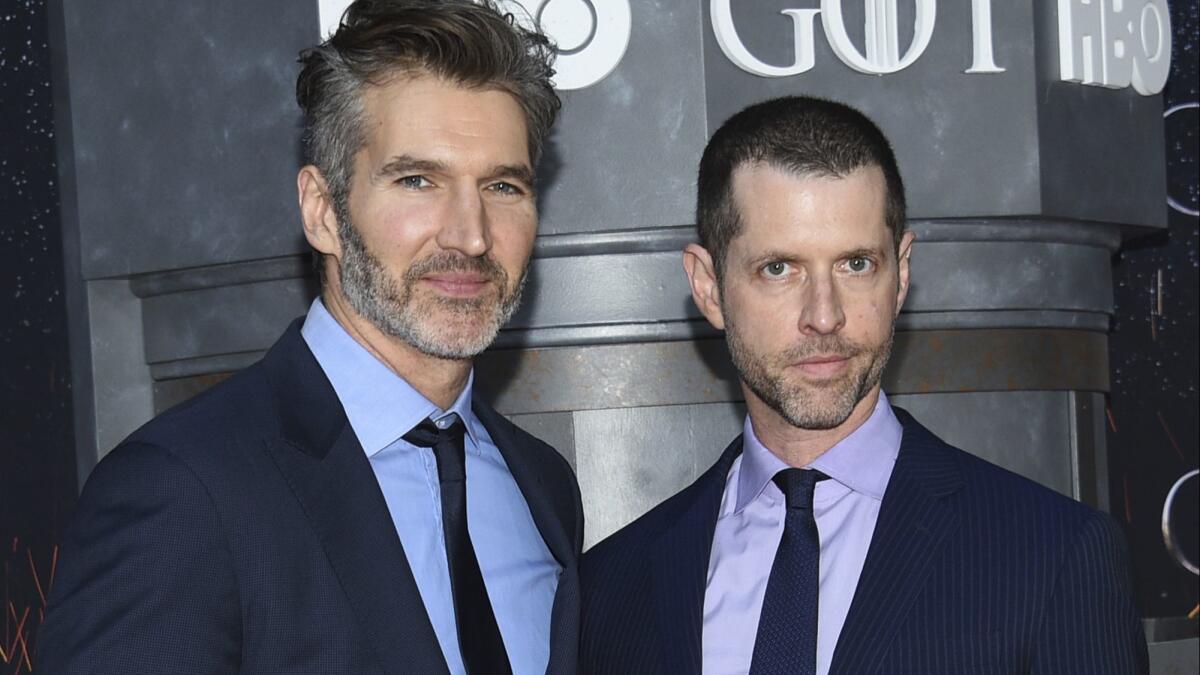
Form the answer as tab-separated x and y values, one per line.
750	525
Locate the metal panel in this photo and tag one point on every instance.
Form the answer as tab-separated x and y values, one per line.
996	360
610	376
1024	431
185	130
625	151
1175	658
557	429
699	371
629	460
123	396
1009	275
222	320
566	291
1089	448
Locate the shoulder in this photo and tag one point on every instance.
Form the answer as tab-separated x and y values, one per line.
182	455
996	501
1023	498
140	471
211	446
689	513
631	542
236	409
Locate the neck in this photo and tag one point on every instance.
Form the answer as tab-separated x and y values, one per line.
796	446
437	379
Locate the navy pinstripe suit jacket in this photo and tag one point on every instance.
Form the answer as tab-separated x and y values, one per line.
244	532
972	569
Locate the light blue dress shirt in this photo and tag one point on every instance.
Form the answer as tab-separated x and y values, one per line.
519	571
750	525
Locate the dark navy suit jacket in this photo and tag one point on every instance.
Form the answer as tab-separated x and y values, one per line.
244	531
971	569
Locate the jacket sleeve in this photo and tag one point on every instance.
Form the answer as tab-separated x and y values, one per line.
1091	624
145	581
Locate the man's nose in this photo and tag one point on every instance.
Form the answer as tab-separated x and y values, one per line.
821	313
466	228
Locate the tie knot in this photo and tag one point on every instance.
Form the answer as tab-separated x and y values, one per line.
448	447
797	486
427	434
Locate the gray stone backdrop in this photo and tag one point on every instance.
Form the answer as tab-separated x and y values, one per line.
179	146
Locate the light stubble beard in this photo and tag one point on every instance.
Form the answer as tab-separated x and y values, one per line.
806	405
446	328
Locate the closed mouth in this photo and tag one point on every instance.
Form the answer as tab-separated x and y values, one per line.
458	284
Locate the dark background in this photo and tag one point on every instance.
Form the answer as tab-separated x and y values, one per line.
37	447
1152	431
1153	405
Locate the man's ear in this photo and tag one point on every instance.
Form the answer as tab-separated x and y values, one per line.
903	260
706	291
316	209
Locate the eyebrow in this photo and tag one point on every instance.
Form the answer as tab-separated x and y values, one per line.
520	172
865	253
772	256
783	256
404	164
409	164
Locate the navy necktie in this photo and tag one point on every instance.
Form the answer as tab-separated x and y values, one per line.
786	643
478	635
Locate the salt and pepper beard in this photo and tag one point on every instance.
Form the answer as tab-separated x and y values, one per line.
802	405
462	329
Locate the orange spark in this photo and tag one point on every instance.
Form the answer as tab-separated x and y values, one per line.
33	570
1170	436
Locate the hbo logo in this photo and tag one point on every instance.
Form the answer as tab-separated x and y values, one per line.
1115	43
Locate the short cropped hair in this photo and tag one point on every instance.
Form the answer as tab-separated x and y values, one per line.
798	134
470	43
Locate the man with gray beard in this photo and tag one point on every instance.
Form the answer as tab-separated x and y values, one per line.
837	534
348	504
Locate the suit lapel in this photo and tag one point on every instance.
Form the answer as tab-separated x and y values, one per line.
914	520
550	521
680	565
319	455
550	516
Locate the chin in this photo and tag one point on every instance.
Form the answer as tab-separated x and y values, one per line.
453	338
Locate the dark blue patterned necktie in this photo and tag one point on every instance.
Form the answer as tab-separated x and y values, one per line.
479	638
786	643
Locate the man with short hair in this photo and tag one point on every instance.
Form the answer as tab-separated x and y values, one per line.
348	504
837	534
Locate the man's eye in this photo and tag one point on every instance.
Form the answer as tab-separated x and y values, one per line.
776	269
414	182
859	264
506	188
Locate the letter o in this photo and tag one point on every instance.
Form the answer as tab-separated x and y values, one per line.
1152	66
612	24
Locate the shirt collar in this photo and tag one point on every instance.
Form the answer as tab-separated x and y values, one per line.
862	461
380	405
